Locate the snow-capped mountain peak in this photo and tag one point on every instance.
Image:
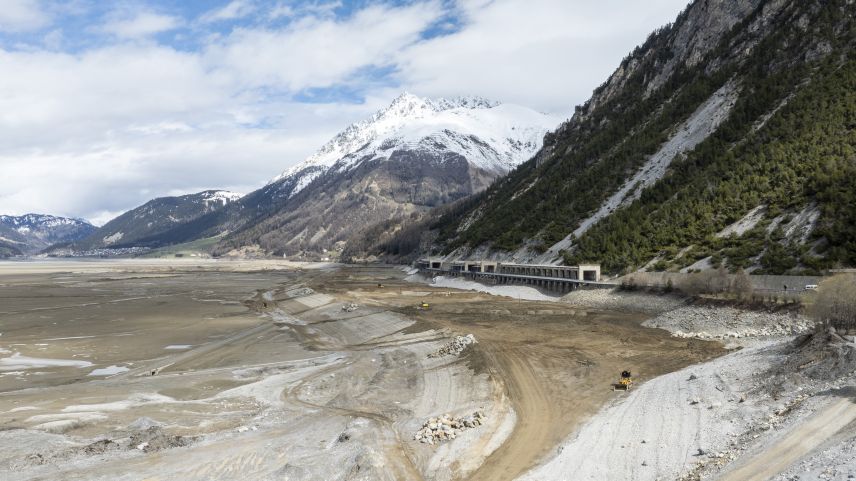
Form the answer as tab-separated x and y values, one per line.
31	232
35	221
492	136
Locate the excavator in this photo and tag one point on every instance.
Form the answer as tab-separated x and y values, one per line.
625	382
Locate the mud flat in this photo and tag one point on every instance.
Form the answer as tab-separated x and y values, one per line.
216	370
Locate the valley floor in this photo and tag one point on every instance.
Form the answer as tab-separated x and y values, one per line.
260	370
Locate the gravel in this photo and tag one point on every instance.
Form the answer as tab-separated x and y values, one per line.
670	424
728	323
455	347
618	300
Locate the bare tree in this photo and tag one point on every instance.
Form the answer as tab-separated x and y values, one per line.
835	302
741	286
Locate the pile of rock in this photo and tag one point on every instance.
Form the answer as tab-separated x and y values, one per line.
155	439
729	323
350	307
446	428
455	347
300	292
619	300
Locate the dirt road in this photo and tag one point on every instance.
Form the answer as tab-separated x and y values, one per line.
805	438
556	363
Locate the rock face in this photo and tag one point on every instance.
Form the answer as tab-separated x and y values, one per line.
693	130
30	233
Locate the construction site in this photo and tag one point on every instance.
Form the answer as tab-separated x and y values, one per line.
263	370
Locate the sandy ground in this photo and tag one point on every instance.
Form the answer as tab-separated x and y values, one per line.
559	362
266	370
259	372
657	430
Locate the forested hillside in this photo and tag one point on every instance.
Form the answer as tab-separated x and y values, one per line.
780	163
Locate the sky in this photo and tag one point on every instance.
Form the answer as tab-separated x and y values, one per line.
105	105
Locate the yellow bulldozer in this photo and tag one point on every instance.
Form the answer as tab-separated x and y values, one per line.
625	382
423	306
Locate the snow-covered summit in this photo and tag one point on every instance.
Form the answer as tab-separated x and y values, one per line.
32	232
35	221
492	136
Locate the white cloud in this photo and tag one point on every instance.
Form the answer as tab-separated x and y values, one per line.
233	10
101	130
313	52
141	24
281	10
92	134
53	40
547	54
22	16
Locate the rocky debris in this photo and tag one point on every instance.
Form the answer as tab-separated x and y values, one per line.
455	347
350	307
446	428
728	323
62	456
836	462
99	447
618	300
154	439
821	356
300	292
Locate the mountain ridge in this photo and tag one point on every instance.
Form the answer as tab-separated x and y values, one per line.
767	59
159	215
31	233
413	155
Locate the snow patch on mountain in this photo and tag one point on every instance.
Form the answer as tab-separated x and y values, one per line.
491	136
34	232
112	239
27	222
220	197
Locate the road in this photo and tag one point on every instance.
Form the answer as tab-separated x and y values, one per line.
804	439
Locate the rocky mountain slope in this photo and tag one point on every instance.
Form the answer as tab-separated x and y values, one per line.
727	138
30	233
143	226
412	156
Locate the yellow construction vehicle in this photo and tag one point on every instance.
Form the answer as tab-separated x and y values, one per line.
423	306
625	382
